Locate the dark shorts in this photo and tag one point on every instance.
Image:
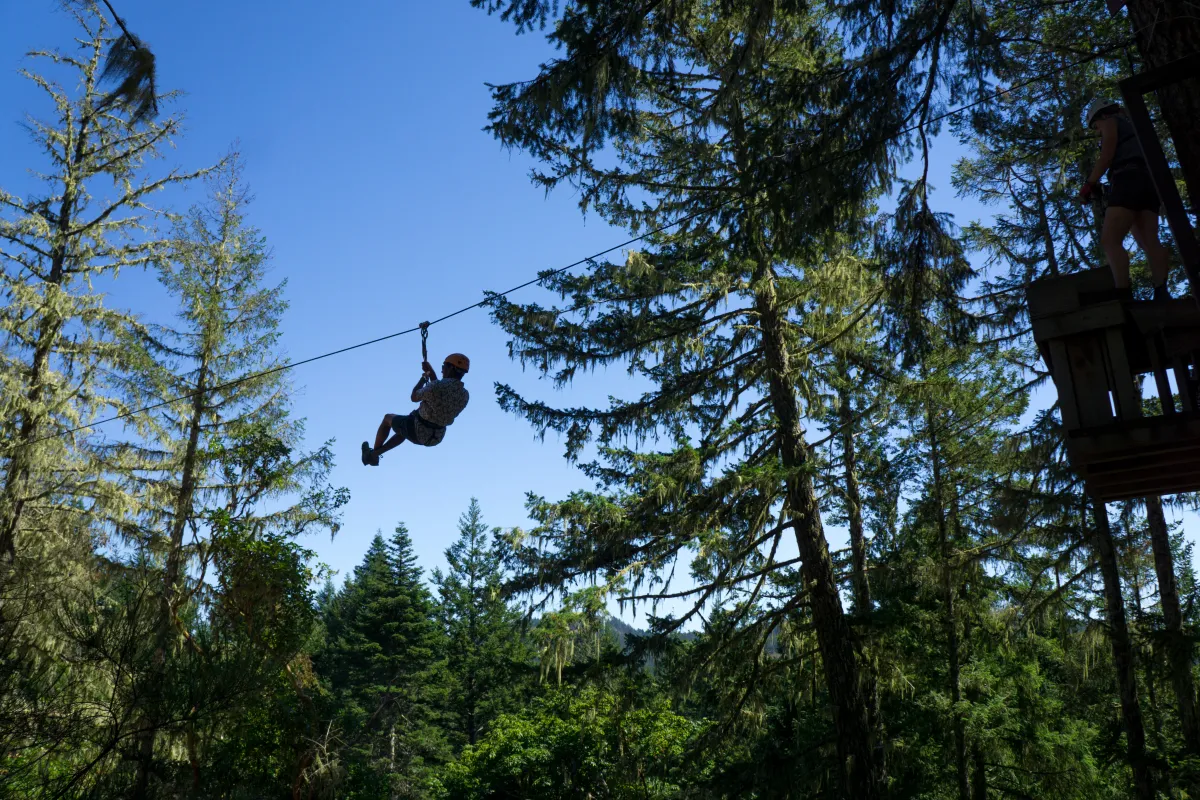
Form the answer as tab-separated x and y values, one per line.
417	430
1132	189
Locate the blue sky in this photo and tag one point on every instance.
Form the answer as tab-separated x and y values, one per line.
385	204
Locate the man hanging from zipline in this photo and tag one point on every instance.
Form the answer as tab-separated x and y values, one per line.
441	401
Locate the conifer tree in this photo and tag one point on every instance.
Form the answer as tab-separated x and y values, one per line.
485	648
57	332
383	662
704	106
58	348
211	460
959	408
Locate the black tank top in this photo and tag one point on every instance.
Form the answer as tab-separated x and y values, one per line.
1129	151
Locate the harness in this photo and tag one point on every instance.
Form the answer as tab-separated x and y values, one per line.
432	426
1129	152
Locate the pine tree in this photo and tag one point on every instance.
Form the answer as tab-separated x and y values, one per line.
58	349
485	647
211	460
709	109
383	663
57	332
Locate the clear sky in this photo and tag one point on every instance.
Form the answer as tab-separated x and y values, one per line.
385	203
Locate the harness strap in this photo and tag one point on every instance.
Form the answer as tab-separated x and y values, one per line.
428	424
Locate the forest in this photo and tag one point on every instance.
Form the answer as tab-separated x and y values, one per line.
825	348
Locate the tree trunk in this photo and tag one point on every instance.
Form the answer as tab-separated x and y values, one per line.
1134	578
172	575
850	686
858	544
472	707
1122	647
1179	648
979	789
979	782
183	507
951	620
12	497
1167	30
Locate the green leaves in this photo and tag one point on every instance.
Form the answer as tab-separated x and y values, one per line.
577	742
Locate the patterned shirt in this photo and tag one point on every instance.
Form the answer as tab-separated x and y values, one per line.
442	401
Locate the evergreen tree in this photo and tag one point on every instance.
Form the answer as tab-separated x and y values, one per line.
486	651
57	334
214	458
587	742
58	349
703	107
383	663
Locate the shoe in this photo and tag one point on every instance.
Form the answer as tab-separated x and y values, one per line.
369	458
1162	292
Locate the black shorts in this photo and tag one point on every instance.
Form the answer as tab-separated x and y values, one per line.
417	430
1132	189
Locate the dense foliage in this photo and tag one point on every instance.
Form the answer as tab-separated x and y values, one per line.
822	349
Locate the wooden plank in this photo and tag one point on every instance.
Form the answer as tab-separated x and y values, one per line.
1084	320
1149	488
1165	399
1146	436
1129	401
1090	378
1183	381
1181	341
1154	461
1152	316
1061	372
1149	470
1061	293
1117	494
1154	426
1088	452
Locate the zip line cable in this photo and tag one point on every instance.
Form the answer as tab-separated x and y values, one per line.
586	260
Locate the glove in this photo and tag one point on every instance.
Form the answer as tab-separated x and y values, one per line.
427	368
1086	192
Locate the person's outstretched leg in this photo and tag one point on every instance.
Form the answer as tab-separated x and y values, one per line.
1117	223
1145	233
385	428
370	455
396	440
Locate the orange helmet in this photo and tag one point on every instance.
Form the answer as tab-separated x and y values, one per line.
459	361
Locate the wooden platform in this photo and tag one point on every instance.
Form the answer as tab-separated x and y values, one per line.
1097	347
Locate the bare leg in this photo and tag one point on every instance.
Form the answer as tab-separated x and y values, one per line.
397	439
385	428
1117	223
1145	233
370	455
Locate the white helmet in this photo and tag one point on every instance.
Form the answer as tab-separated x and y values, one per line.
1097	106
